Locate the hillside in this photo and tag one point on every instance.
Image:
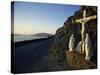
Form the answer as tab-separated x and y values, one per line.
62	36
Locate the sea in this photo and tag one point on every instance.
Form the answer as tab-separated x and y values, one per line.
19	38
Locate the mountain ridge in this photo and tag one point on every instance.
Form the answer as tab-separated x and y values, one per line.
42	34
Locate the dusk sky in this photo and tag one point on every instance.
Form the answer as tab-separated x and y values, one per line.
32	18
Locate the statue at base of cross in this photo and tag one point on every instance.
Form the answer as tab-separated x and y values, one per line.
71	43
88	48
79	47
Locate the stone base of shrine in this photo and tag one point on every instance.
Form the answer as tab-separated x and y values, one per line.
77	61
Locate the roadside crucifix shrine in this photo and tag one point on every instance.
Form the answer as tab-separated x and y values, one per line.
83	21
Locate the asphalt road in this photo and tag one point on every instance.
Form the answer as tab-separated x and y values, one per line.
28	55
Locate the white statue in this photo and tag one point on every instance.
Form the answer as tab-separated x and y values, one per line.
79	47
88	49
71	43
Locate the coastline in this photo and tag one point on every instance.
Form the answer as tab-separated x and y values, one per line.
20	43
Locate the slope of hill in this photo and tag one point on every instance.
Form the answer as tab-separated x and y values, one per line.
63	34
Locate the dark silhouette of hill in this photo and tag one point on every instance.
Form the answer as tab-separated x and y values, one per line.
42	34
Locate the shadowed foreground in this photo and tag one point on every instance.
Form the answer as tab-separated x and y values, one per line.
34	57
28	55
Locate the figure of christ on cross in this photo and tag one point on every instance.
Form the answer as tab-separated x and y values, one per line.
83	21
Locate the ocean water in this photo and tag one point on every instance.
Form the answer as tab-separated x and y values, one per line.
18	38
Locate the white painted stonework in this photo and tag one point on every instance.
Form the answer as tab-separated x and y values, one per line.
84	46
71	43
79	47
88	49
83	21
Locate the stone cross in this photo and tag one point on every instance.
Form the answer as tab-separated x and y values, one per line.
83	21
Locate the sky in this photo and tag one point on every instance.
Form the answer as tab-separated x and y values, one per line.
32	18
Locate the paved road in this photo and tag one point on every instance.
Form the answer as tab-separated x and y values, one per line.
28	55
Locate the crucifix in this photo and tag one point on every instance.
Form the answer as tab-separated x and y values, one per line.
83	21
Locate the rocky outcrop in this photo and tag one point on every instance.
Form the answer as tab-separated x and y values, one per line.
63	34
77	61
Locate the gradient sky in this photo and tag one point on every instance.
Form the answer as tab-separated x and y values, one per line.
31	18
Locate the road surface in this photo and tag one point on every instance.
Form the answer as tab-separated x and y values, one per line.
28	55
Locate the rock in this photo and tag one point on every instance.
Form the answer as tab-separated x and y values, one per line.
77	61
62	36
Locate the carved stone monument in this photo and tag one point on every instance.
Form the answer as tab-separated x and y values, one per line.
84	46
83	21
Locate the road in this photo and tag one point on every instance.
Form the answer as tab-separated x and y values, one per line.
28	55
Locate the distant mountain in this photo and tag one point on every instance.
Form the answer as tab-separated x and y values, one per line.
43	34
38	34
